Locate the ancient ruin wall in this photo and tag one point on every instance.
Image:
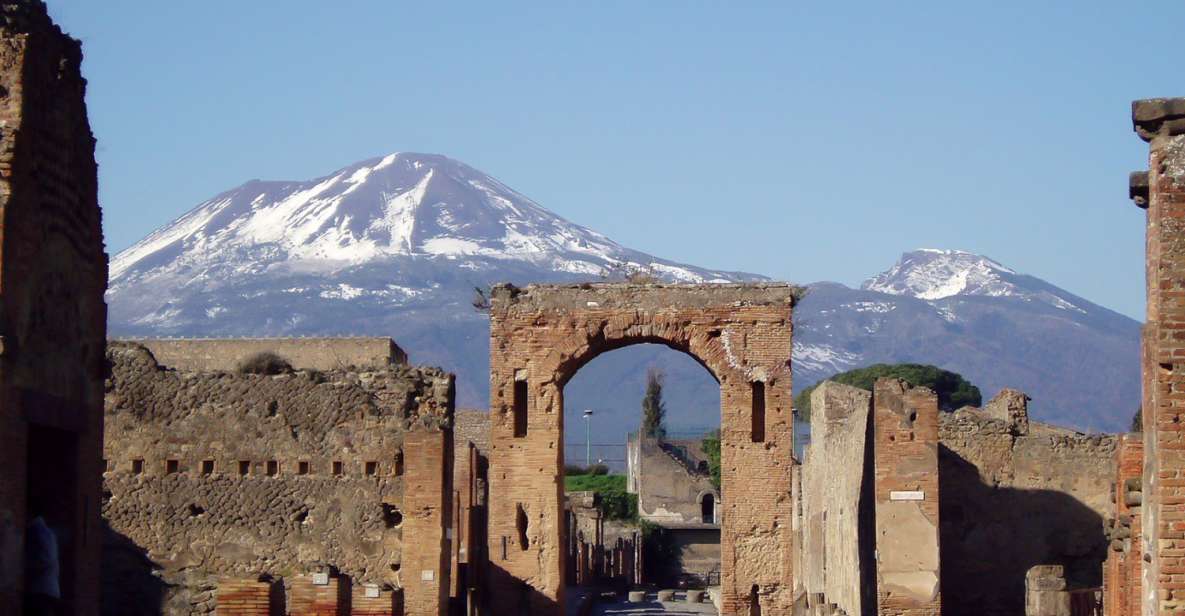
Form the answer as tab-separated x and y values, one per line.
303	353
836	506
222	474
905	453
53	272
541	335
1122	572
1016	495
670	489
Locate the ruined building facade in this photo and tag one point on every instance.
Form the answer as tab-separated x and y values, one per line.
53	272
332	487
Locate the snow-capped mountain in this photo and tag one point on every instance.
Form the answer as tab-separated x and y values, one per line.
392	245
395	246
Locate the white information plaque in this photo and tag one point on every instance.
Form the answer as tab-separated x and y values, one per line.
910	495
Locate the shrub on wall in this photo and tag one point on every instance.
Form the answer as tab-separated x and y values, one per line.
953	390
264	362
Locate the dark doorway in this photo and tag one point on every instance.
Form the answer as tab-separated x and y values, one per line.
51	484
708	509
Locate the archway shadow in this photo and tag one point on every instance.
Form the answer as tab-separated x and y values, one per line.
507	595
991	536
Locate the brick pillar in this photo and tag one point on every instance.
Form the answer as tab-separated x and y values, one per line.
1161	122
1122	570
306	597
371	601
906	488
243	598
427	491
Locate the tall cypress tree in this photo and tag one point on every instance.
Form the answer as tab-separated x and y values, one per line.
653	409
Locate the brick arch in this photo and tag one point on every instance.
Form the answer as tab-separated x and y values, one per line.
542	335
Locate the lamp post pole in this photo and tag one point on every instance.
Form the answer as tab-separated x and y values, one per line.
588	438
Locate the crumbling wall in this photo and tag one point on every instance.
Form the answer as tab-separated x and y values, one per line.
204	354
837	501
53	272
1122	571
224	474
1017	495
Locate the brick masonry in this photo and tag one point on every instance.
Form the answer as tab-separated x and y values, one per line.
540	337
340	469
906	488
53	272
1123	570
1161	122
244	598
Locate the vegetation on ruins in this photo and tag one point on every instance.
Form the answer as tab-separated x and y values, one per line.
711	447
264	362
653	410
953	390
615	503
659	551
1137	424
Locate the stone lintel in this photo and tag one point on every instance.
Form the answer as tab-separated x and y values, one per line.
1153	117
1137	188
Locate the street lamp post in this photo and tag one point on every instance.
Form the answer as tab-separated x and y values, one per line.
588	438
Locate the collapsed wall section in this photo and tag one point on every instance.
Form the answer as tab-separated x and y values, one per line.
220	474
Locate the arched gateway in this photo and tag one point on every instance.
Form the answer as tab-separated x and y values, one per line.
541	335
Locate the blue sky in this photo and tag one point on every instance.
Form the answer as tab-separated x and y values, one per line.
805	141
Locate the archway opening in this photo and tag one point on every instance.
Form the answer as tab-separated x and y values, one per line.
642	430
708	509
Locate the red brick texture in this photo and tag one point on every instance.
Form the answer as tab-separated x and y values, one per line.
1122	571
540	337
1160	123
243	598
306	598
427	502
387	603
53	274
906	494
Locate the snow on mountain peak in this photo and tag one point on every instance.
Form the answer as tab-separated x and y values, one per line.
931	274
398	205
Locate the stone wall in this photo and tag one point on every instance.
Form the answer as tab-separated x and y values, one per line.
671	483
1017	495
213	474
836	500
471	434
53	272
541	335
303	353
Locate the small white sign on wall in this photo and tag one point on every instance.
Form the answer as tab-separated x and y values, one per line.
320	579
907	495
372	591
427	575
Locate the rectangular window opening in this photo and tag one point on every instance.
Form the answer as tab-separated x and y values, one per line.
302	468
273	468
207	467
137	467
520	409
399	463
372	469
244	468
172	466
337	469
758	431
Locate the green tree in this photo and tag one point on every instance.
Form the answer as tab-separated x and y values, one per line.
1137	424
953	390
653	410
711	446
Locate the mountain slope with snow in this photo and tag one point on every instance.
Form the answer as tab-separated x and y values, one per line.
396	245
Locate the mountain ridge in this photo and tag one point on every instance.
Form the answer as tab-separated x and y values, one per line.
394	245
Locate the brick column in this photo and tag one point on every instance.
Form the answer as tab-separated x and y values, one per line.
243	598
427	495
906	489
1122	570
370	601
307	598
1161	122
